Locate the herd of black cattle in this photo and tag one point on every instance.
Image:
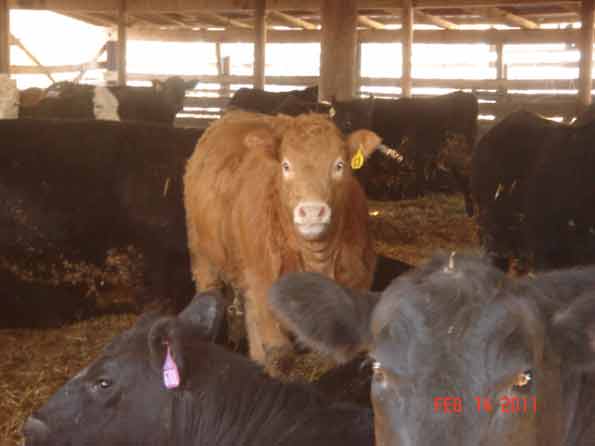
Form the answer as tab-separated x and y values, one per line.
74	191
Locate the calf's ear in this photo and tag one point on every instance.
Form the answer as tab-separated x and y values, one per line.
364	141
166	350
324	315
205	314
573	331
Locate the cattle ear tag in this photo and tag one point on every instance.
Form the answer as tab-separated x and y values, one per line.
332	112
358	159
171	375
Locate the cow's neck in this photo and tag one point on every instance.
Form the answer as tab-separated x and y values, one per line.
319	257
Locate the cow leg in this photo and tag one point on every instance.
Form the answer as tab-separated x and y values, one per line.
420	171
463	183
206	275
264	331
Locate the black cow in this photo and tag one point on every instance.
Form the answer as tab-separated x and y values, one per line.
464	355
87	207
294	105
533	183
66	100
427	132
260	101
214	397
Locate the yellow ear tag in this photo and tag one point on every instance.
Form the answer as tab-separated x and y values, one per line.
358	159
332	112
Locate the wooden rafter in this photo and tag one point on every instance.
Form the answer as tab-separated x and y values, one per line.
370	23
91	18
296	21
284	5
91	64
221	20
30	55
507	17
434	20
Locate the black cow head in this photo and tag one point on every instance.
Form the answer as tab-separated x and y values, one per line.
463	354
121	397
173	90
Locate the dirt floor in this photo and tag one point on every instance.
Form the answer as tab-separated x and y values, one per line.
34	363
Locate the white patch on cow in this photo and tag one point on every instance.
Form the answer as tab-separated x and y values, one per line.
311	218
105	105
9	98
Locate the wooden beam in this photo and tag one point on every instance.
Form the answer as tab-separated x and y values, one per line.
367	21
91	18
122	37
421	16
358	69
407	47
31	56
227	5
586	46
501	71
490	36
219	58
4	37
221	20
338	49
86	67
506	17
260	31
34	69
291	20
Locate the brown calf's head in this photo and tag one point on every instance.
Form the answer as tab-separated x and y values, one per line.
314	167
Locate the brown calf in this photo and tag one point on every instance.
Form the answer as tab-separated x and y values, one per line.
267	195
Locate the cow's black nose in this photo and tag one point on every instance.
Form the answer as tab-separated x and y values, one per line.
35	431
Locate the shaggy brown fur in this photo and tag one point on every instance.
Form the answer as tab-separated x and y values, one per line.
240	210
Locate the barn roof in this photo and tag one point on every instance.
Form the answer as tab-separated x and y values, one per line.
305	14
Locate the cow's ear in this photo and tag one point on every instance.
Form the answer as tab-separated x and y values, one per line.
166	349
362	142
261	139
573	331
205	314
324	315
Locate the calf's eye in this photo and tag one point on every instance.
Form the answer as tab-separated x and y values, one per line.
103	383
339	166
378	371
523	380
285	166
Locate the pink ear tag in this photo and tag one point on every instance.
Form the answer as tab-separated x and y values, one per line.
171	375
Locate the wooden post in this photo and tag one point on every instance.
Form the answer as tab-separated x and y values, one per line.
586	46
122	21
260	29
219	58
338	51
4	37
501	72
407	48
226	72
358	69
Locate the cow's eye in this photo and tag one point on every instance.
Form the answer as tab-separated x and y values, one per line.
103	383
523	381
379	373
286	167
339	166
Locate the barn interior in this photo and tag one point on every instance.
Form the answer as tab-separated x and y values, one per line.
516	37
